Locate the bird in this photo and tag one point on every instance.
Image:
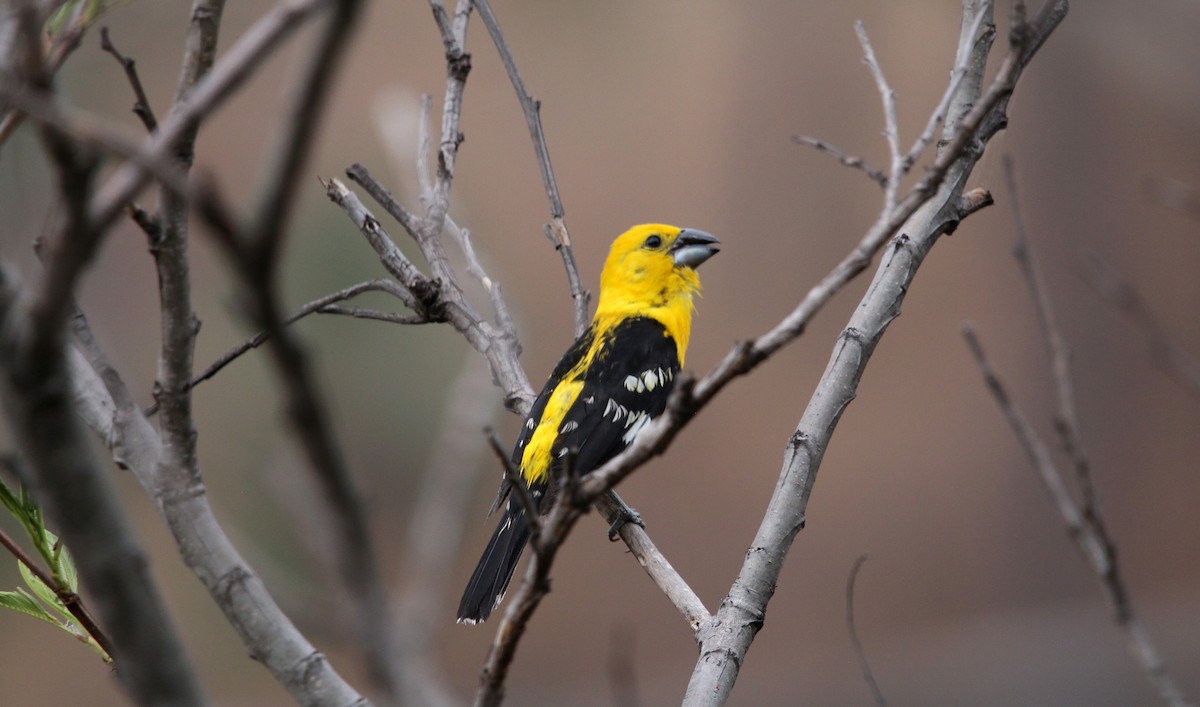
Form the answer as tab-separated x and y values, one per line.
612	382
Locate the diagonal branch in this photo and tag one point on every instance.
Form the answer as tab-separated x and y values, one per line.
853	161
1084	520
1086	529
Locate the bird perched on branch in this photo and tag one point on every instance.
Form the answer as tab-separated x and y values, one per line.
609	385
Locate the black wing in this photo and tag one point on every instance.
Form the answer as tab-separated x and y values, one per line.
565	364
626	388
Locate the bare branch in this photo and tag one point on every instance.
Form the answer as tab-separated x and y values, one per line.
447	303
1059	353
555	527
322	304
1084	529
656	564
556	230
1098	545
876	175
925	219
890	128
458	65
268	634
858	647
975	117
237	64
141	106
957	73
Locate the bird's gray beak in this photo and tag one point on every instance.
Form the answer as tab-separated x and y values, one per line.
693	247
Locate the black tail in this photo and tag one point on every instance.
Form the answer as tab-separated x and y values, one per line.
495	568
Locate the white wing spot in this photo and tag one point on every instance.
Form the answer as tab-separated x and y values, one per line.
529	424
609	407
570	426
563	452
632	383
590	399
632	432
651	379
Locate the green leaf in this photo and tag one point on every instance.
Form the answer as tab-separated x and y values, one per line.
9	499
44	592
22	602
66	570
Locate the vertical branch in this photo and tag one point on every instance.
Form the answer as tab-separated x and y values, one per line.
169	245
891	129
556	230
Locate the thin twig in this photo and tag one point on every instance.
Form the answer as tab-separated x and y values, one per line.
1083	529
876	175
141	106
517	485
938	115
858	646
376	314
556	230
72	601
891	129
1067	421
656	565
1100	546
237	64
458	65
437	298
458	234
320	305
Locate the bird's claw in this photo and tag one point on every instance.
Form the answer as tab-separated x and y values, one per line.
625	515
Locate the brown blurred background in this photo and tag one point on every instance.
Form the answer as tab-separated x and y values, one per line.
682	112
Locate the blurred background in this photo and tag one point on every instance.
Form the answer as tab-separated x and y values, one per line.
683	112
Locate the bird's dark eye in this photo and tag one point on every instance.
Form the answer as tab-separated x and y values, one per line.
654	242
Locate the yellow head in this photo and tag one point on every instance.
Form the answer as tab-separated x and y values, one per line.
650	272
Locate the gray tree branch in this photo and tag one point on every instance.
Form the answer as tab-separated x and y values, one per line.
973	117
